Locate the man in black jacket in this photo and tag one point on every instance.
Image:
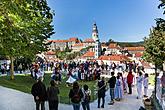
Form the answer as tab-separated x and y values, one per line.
39	92
112	82
101	92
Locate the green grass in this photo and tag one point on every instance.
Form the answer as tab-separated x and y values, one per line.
152	79
24	83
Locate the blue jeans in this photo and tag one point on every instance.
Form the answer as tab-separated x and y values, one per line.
85	105
76	106
112	93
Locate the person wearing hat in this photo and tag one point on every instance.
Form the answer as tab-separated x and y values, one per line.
39	92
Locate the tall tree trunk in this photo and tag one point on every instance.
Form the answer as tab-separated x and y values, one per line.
156	67
12	68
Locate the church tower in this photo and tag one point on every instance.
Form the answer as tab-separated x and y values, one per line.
95	32
97	41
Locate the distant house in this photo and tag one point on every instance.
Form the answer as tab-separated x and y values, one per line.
77	47
113	48
88	56
148	68
138	55
89	42
112	58
72	41
104	47
133	50
50	55
58	45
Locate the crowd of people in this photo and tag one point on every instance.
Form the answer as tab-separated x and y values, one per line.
123	77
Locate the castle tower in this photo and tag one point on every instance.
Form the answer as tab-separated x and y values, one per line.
97	41
94	32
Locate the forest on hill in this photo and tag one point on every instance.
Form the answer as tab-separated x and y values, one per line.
126	44
131	44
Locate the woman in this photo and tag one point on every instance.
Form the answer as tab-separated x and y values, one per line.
76	95
52	93
139	85
145	84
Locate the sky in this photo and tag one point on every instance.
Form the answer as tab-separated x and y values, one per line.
120	20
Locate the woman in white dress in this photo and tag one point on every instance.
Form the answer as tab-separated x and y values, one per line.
139	85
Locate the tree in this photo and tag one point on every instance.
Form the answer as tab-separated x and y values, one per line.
155	46
24	27
110	41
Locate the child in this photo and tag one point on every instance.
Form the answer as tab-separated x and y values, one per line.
145	84
118	89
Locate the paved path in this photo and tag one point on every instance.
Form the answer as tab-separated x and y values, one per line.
15	100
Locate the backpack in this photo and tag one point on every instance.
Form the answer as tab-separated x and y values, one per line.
76	98
87	96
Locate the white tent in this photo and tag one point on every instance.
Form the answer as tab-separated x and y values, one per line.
70	80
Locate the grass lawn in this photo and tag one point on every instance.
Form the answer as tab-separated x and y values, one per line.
152	79
24	83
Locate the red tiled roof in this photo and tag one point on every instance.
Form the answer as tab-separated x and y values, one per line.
74	39
78	45
114	58
62	41
89	54
138	54
113	46
89	40
134	48
50	53
49	40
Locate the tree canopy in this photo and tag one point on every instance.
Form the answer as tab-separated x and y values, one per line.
155	46
24	27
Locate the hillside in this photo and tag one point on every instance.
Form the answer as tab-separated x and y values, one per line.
131	44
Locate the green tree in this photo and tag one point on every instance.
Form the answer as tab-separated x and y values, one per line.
155	46
24	27
110	41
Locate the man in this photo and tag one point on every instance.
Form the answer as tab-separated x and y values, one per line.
52	93
101	92
130	81
112	82
39	92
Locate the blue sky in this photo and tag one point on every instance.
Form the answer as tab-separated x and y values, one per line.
120	20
